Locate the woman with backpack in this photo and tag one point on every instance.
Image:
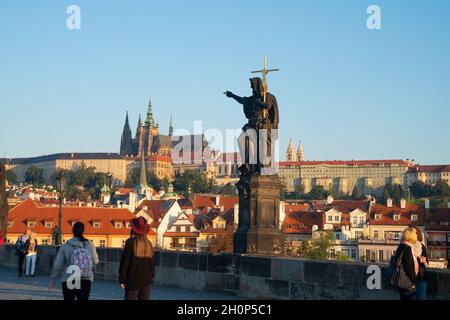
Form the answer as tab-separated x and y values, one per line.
77	256
30	254
137	266
407	255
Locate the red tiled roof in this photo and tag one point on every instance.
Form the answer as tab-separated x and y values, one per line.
181	234
347	163
156	209
124	191
347	206
430	168
34	209
216	231
301	222
289	207
387	215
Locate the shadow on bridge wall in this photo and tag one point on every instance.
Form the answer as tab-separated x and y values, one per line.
251	276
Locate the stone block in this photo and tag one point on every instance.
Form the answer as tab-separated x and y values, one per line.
278	288
169	259
220	263
288	269
256	266
188	261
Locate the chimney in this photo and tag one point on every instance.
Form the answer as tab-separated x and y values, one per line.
427	203
389	203
330	199
217	200
402	203
236	213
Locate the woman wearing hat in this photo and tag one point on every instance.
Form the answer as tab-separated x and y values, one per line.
137	266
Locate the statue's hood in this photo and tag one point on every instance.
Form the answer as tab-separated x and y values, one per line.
257	85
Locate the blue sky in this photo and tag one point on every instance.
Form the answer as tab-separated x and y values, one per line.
345	91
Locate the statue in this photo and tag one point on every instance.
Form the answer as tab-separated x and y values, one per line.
3	198
261	110
259	186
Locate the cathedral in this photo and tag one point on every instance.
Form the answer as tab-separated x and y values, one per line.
293	156
147	138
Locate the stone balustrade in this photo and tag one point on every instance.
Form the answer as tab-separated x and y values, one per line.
259	277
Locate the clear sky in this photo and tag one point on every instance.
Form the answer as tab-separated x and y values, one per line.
347	92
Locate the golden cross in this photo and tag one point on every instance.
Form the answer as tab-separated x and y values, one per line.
264	73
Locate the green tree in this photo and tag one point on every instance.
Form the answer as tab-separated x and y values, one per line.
300	191
356	194
317	248
34	175
197	181
397	192
11	177
441	189
317	193
222	243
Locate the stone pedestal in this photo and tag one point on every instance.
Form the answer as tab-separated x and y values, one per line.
258	231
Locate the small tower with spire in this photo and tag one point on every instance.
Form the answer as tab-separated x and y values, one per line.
171	125
290	152
126	143
143	187
300	153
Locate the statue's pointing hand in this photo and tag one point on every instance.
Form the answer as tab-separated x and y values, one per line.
229	94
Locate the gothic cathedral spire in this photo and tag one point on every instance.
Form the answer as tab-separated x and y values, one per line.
150	121
126	144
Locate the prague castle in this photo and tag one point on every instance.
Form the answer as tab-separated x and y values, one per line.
147	137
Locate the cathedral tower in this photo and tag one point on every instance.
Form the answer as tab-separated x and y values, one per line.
290	152
126	144
300	153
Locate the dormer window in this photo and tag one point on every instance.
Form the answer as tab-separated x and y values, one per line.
414	217
396	217
128	225
31	224
48	224
117	224
378	216
96	225
9	224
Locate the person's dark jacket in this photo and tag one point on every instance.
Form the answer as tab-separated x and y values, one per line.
27	246
135	272
407	261
422	267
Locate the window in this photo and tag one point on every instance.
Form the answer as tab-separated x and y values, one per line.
353	253
31	224
330	218
381	255
338	236
376	234
378	216
414	217
128	225
355	220
102	243
178	229
48	224
358	234
45	242
123	243
332	253
117	224
336	218
396	217
96	225
9	224
361	220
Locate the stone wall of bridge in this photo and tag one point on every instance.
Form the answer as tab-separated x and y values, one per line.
256	277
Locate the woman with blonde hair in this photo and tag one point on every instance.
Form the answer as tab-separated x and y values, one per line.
30	254
407	252
421	252
137	266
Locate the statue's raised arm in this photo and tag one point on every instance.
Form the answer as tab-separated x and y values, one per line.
230	94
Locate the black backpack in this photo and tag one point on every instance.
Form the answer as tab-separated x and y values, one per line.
399	278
